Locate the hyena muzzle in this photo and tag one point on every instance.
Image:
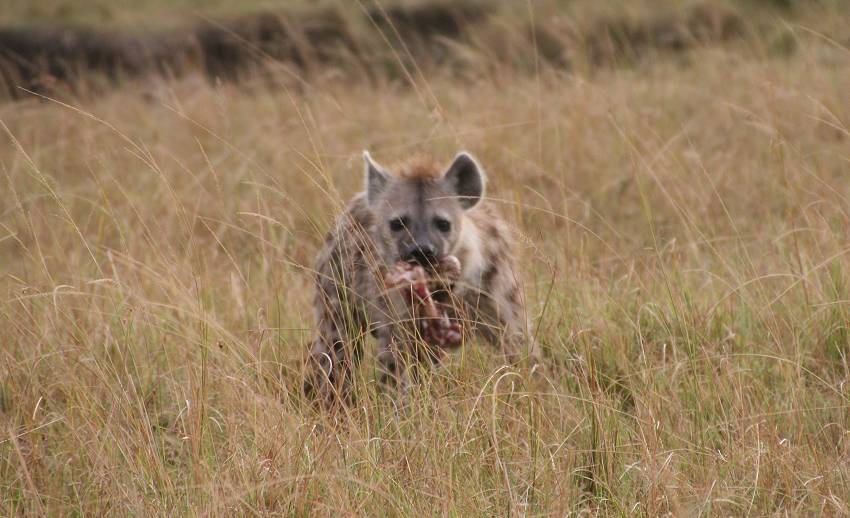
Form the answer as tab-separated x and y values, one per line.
419	213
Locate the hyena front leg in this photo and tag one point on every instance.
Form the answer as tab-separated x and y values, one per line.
333	355
338	338
401	360
391	363
394	328
398	361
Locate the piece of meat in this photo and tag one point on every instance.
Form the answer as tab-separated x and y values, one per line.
435	326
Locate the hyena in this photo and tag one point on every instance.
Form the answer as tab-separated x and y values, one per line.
418	213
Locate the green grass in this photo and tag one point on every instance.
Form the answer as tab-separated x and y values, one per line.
683	230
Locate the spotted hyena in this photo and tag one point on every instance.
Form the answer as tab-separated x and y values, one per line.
419	212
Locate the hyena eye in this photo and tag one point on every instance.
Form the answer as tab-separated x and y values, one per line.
398	224
443	225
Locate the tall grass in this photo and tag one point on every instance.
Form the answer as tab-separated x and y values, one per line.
683	225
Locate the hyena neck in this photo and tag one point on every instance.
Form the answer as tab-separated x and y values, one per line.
469	252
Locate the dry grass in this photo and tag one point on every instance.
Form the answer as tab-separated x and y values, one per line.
684	229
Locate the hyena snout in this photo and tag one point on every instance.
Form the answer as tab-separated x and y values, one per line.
423	253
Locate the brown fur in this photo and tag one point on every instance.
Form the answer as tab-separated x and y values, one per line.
419	167
351	303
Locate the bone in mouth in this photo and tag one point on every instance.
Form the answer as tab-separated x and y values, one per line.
417	284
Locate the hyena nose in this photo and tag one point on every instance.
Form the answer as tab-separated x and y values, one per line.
422	254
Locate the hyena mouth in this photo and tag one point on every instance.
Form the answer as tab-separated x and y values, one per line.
427	260
431	266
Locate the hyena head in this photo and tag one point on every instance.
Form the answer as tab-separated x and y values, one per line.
419	210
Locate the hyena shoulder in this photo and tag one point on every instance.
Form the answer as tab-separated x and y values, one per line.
349	234
343	272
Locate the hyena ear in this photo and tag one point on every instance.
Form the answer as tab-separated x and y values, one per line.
467	179
376	178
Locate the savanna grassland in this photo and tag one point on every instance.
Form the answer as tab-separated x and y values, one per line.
683	227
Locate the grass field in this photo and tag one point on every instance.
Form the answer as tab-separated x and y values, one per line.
683	222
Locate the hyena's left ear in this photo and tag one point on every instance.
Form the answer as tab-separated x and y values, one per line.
376	178
467	179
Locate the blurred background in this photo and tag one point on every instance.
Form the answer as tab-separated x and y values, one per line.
66	47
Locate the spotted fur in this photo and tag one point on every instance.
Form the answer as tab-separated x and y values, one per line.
351	303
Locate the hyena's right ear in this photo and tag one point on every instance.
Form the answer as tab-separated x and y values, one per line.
376	178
